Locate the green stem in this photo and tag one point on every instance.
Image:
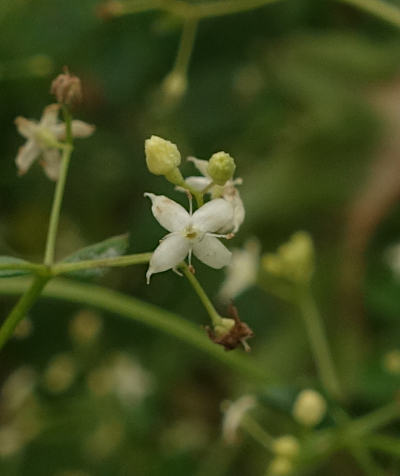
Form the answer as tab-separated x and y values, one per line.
25	266
58	195
185	46
257	432
384	10
138	6
318	341
20	310
384	443
134	309
374	420
216	319
127	260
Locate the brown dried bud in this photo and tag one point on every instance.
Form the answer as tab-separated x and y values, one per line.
67	88
109	10
237	335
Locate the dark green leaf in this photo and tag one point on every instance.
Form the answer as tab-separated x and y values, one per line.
110	248
7	273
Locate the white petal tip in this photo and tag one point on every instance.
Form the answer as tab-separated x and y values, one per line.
149	195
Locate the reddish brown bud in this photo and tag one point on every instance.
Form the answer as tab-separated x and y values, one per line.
110	9
67	88
237	335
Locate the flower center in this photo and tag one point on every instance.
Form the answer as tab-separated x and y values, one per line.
192	234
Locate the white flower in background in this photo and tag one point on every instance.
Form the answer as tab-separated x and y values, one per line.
234	414
43	140
190	232
228	191
242	271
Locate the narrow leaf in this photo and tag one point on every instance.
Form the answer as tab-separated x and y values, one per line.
14	264
110	248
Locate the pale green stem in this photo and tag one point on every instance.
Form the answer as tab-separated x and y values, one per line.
185	46
56	207
24	266
374	420
127	306
216	319
386	444
20	310
138	6
257	432
212	8
318	341
127	260
364	459
384	10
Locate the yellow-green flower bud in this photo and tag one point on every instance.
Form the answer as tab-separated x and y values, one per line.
162	156
287	446
224	327
309	408
221	167
280	466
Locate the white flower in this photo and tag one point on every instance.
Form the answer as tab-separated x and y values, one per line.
228	192
189	233
42	140
242	270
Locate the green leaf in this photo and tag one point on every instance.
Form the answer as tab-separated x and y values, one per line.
9	272
110	248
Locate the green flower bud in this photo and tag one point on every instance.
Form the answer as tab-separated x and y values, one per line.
287	446
221	167
280	466
162	156
224	327
309	408
46	138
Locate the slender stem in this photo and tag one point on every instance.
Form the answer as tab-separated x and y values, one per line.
59	192
386	444
137	6
23	265
384	10
215	317
257	432
134	309
185	46
365	460
20	310
374	420
213	9
318	341
127	260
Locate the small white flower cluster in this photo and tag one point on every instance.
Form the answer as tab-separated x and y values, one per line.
196	232
43	140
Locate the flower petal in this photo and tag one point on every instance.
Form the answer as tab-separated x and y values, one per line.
25	127
172	250
50	115
212	252
213	216
231	194
198	183
51	163
26	156
80	129
201	165
169	214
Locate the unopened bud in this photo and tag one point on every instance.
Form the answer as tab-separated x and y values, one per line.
221	167
175	85
287	446
67	88
224	327
309	408
280	466
391	362
162	157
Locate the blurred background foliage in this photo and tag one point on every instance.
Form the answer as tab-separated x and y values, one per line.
306	96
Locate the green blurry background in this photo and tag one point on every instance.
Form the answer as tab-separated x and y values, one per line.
306	96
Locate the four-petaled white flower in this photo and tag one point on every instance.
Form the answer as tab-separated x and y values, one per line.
42	138
228	191
190	232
